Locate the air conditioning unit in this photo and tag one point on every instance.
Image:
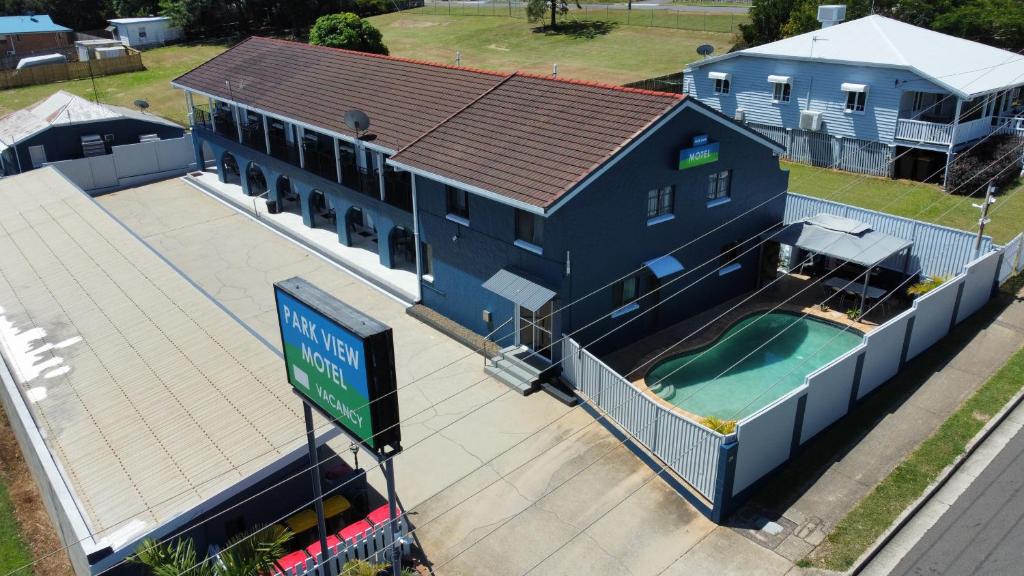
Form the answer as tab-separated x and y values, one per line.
831	15
810	120
741	115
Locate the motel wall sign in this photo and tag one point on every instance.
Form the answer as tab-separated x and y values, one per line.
341	361
701	151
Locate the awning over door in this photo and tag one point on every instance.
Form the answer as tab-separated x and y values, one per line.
663	266
523	292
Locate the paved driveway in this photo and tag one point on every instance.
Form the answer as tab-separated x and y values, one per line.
476	454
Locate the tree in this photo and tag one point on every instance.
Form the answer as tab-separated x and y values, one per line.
244	555
346	30
130	8
537	10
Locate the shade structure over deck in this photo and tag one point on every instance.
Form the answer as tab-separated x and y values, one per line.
518	289
842	238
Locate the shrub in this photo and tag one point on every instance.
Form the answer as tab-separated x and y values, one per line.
347	30
853	314
719	425
926	286
997	160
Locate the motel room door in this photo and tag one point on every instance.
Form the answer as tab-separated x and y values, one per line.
535	329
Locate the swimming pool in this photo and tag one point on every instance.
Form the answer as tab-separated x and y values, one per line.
765	369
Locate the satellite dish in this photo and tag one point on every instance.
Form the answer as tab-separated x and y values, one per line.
357	120
705	50
142	104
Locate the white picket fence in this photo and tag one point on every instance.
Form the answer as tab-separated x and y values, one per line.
375	544
1013	258
825	150
689	449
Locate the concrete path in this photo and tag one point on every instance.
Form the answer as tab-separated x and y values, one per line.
973	524
556	471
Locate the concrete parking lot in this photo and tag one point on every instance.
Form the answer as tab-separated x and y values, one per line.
494	482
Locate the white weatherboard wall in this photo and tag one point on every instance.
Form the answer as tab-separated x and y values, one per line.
765	439
933	316
978	285
884	348
828	393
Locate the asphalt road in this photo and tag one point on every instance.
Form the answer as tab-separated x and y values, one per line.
983	532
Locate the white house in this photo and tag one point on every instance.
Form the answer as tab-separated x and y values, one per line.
873	95
145	31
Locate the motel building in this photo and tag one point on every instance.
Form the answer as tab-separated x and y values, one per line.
491	199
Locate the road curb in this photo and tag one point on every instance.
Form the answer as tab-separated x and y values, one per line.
935	486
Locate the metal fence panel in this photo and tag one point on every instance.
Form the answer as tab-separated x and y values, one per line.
1013	258
765	439
686	447
981	277
884	349
828	393
933	314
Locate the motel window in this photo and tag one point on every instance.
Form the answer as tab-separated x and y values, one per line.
427	261
727	258
722	85
660	201
529	229
625	291
856	97
457	202
781	91
719	185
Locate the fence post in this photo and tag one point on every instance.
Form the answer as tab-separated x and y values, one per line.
721	504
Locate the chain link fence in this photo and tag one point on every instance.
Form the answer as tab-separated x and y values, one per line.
640	15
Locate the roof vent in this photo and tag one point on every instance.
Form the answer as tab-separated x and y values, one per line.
831	15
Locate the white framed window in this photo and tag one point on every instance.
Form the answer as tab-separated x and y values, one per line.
781	92
660	202
856	97
719	186
722	80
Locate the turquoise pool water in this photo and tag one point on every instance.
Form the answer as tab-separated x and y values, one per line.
773	368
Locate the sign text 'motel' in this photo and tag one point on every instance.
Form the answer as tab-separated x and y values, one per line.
701	152
340	360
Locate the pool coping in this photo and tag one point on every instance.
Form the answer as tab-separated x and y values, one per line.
717	330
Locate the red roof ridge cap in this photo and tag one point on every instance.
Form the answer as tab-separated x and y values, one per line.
595	84
385	57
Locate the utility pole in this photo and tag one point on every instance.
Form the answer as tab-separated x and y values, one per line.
989	200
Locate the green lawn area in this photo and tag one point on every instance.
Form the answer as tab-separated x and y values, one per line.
879	509
14	552
910	199
152	84
625	54
641	17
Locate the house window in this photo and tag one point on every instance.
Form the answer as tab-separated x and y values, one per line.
660	202
856	100
427	261
722	85
529	231
142	32
719	185
727	258
457	204
625	291
781	92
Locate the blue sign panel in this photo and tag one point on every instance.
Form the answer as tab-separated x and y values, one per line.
698	155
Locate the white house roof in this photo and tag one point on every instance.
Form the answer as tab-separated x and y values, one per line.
141	20
963	67
62	109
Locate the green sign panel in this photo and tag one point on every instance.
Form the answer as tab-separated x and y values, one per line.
341	361
698	155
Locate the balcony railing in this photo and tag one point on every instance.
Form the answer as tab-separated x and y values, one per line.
201	116
938	133
1009	125
923	132
284	150
398	189
252	136
320	163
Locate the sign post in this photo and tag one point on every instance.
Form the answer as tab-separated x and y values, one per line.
341	362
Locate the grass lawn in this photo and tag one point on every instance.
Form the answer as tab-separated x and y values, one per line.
910	199
14	552
879	509
152	84
640	17
625	54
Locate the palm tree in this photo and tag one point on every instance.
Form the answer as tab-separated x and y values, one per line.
244	555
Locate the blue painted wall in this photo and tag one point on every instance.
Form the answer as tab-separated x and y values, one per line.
816	86
64	142
604	230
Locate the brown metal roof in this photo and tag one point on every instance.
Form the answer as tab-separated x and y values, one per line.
529	138
317	85
533	138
